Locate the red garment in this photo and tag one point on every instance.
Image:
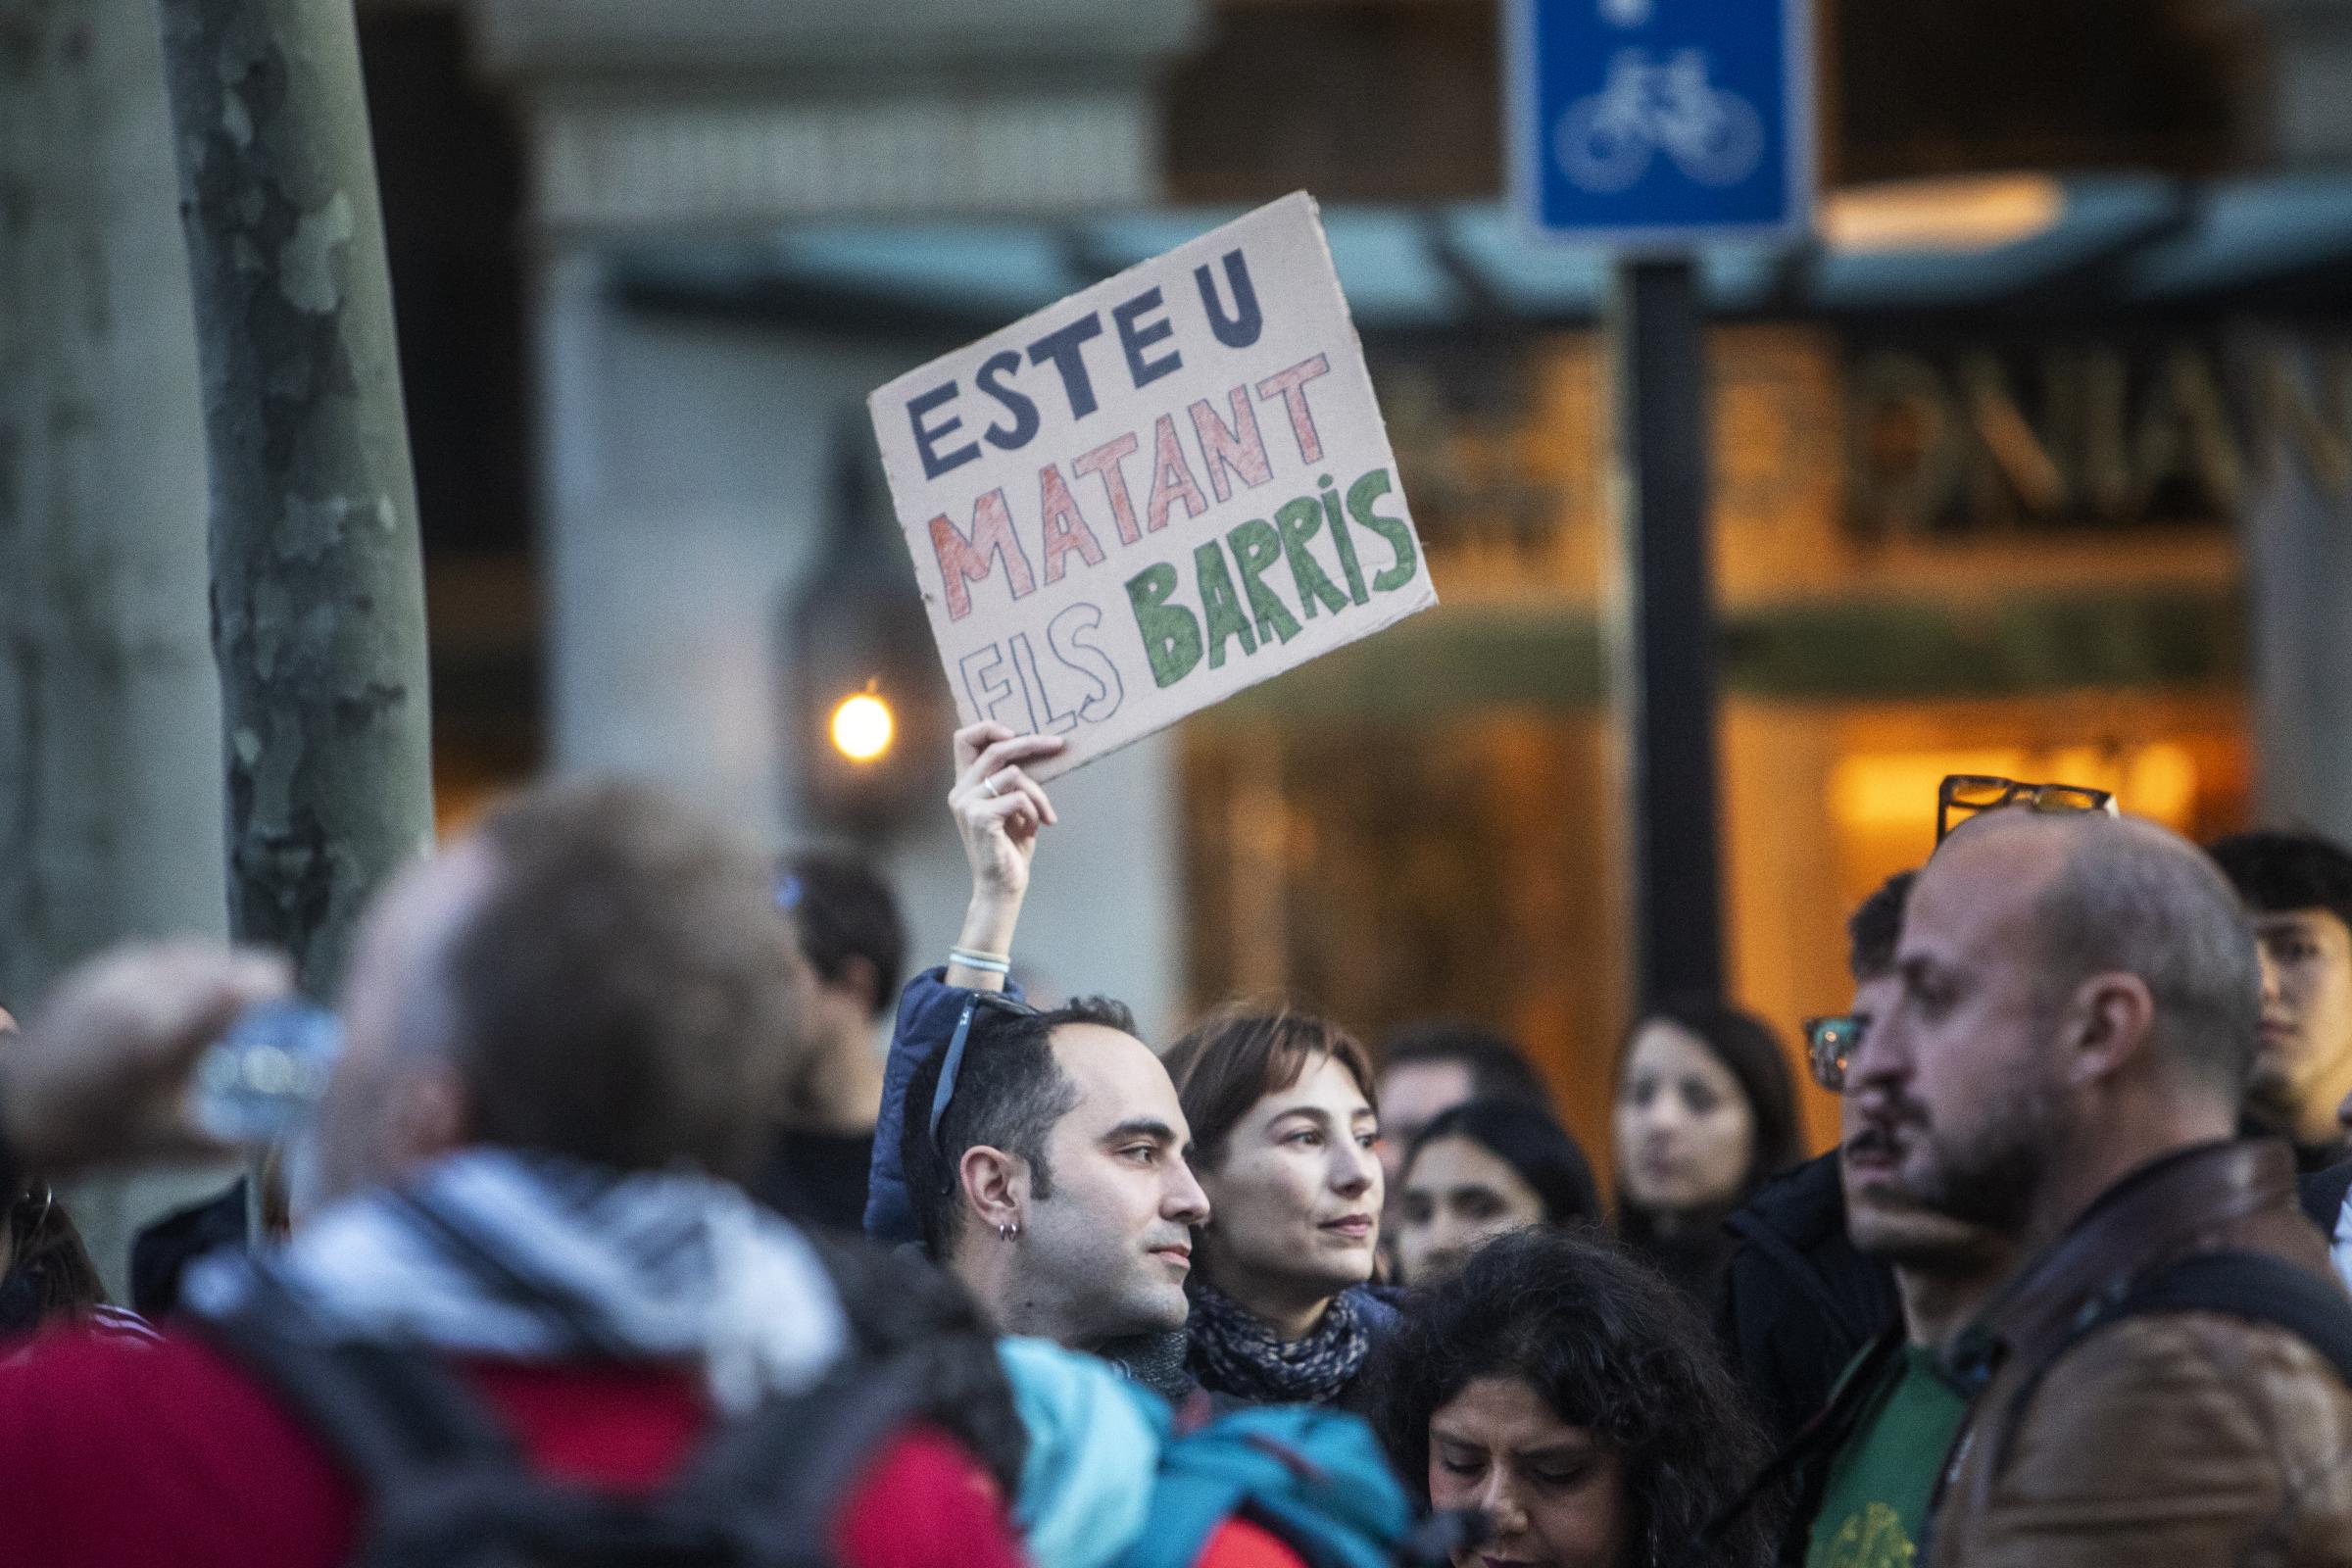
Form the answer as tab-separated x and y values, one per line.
120	1454
1239	1544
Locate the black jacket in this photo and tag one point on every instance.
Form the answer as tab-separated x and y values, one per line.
1798	1301
2322	1193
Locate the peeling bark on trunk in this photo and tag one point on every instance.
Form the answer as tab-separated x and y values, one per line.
317	583
110	723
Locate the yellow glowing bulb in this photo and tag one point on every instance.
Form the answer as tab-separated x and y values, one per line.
862	727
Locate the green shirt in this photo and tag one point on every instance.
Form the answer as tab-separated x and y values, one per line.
1882	1478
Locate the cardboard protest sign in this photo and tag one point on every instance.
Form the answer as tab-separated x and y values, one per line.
1163	489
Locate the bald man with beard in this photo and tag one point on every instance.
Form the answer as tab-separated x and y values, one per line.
2062	1063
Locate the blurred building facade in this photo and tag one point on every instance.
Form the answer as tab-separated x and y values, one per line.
2039	465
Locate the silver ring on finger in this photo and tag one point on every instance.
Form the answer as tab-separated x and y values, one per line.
990	784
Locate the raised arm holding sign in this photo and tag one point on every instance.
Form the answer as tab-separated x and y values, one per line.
1167	487
998	811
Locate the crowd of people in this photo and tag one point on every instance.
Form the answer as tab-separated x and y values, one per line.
614	1240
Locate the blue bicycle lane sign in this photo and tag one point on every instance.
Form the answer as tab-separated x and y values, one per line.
1658	125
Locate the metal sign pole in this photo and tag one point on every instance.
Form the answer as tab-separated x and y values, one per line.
1665	661
1658	129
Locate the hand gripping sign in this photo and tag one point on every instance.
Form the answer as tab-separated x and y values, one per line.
1167	487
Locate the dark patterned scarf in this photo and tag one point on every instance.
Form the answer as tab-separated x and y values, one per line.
1156	1361
1234	1352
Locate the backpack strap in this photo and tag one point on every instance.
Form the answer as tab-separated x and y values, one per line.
386	1413
1313	1477
443	1478
442	1481
2254	1286
781	1473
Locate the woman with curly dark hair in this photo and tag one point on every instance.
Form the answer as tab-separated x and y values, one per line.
1573	1395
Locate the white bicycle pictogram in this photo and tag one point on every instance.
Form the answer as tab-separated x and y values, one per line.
1605	141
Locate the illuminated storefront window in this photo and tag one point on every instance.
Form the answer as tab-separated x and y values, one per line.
1932	557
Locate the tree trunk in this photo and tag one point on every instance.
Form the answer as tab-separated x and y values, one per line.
110	737
317	583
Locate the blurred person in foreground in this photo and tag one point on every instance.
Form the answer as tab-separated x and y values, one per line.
1706	1112
2298	888
2157	1381
563	1035
1286	1140
1484	1169
1039	1157
853	942
1574	1397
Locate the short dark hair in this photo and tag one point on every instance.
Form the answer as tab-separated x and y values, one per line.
617	991
2274	873
1237	1055
1874	930
1608	1345
1544	1154
1008	1094
1498	1069
844	910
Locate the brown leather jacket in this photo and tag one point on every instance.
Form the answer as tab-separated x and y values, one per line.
2161	1440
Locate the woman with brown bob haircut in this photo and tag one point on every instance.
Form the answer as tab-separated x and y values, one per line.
1284	1122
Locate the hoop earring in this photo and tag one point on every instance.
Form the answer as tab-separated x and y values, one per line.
1009	1231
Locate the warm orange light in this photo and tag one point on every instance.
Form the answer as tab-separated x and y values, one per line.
862	727
1958	213
1886	790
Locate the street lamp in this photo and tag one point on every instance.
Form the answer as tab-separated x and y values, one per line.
863	728
866	704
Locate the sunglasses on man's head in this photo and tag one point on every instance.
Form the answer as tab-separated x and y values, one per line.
1962	796
951	1067
1830	1047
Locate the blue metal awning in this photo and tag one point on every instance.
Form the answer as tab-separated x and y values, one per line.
2251	235
2123	241
987	271
2098	220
